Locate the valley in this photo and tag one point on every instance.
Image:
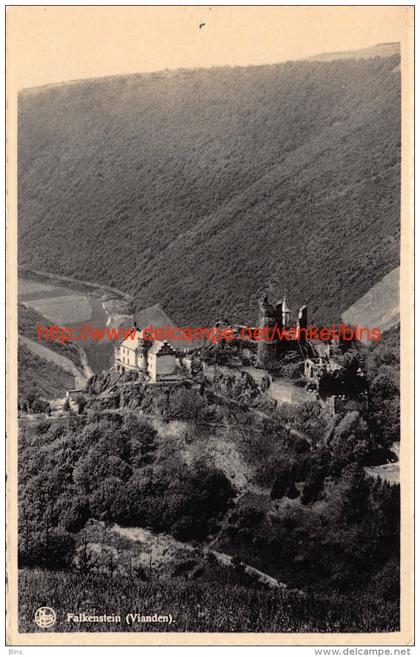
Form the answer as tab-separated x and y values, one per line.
249	485
206	187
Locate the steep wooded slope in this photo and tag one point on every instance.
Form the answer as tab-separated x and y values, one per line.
198	189
40	376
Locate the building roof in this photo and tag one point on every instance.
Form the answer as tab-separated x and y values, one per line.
161	348
155	316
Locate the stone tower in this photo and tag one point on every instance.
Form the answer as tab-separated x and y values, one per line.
266	349
285	313
279	314
303	322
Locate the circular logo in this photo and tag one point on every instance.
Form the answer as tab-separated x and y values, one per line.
45	617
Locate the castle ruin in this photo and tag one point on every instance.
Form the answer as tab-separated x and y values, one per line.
280	316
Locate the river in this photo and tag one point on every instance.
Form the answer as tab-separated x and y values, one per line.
62	305
99	354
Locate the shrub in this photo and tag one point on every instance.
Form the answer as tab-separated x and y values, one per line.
53	549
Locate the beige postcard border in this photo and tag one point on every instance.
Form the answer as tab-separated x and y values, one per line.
406	635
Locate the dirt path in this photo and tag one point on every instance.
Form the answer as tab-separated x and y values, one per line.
227	560
162	546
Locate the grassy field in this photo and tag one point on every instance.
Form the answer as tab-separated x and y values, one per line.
380	306
194	606
56	304
63	310
30	289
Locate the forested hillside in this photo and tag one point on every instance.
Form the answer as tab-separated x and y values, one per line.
198	189
284	489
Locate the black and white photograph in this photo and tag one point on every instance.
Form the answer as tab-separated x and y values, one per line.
212	231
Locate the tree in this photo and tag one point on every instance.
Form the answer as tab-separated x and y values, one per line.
142	441
384	408
383	386
85	559
350	441
265	383
186	404
283	480
355	499
292	492
75	513
41	406
81	402
105	496
50	547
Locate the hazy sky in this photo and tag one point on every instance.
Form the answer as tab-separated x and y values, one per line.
54	44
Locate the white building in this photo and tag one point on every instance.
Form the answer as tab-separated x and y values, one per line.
155	358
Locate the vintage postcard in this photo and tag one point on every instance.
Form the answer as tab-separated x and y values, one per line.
210	325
